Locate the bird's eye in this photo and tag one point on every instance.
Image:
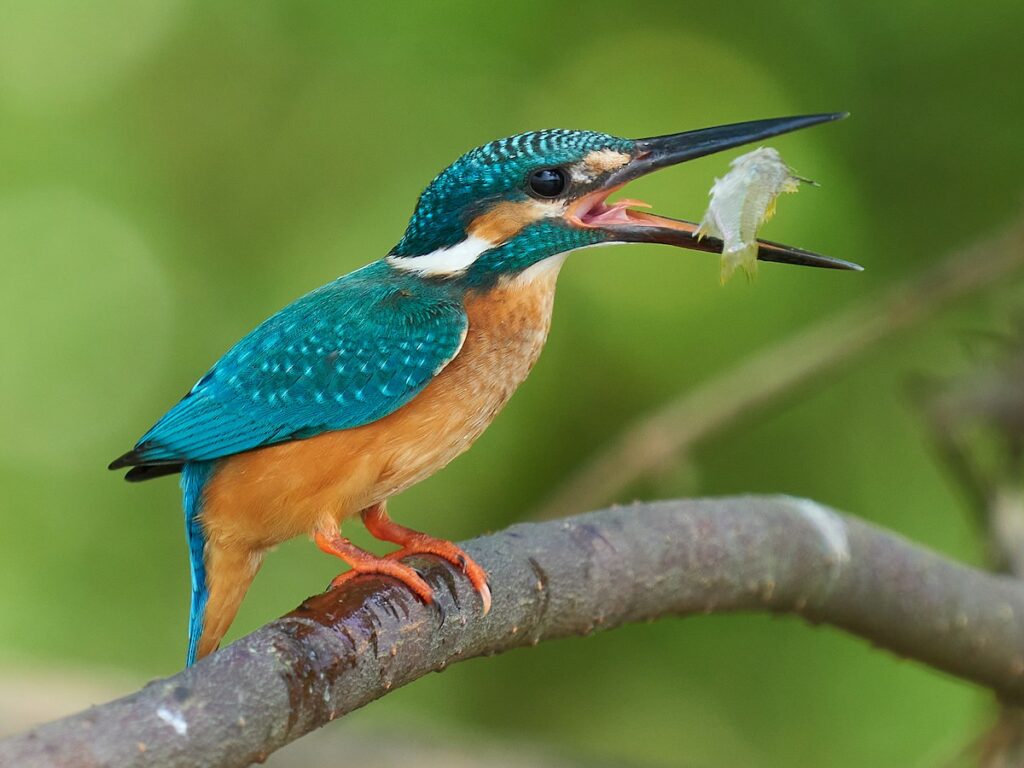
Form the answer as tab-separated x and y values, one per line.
547	182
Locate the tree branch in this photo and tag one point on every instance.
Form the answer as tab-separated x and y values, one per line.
988	402
654	440
344	649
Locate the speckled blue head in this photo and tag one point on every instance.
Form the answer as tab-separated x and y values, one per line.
496	172
490	197
507	205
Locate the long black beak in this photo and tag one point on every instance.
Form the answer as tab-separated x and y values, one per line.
662	151
683	234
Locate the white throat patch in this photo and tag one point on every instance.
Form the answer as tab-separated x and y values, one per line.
542	270
444	261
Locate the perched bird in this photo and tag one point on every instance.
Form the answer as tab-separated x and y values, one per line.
378	379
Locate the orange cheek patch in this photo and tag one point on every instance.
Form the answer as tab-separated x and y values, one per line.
505	220
604	160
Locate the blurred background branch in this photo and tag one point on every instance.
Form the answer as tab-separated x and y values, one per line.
660	439
342	649
977	426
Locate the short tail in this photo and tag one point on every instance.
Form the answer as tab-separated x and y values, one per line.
220	575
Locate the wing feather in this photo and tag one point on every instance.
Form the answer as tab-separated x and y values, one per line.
344	355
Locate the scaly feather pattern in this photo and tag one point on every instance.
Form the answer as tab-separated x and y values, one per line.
346	354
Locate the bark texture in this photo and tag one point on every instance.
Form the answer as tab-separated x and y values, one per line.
339	651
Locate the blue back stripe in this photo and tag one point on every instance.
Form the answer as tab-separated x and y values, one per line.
194	476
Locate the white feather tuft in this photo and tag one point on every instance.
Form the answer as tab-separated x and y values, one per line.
444	261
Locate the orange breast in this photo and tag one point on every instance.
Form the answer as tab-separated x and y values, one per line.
263	497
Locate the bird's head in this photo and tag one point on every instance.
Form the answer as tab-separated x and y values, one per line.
514	203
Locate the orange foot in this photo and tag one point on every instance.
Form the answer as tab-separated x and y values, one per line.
413	543
367	562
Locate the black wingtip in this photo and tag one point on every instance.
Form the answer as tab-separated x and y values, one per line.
151	471
129	459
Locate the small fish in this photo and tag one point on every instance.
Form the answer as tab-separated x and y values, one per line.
741	201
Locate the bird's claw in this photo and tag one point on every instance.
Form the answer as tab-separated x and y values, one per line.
453	554
388	567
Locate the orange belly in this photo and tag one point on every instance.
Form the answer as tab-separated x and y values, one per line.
261	498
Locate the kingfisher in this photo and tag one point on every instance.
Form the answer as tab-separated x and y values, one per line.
375	381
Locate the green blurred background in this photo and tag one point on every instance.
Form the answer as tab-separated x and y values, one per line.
172	172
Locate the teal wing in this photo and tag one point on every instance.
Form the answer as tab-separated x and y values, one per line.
344	355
